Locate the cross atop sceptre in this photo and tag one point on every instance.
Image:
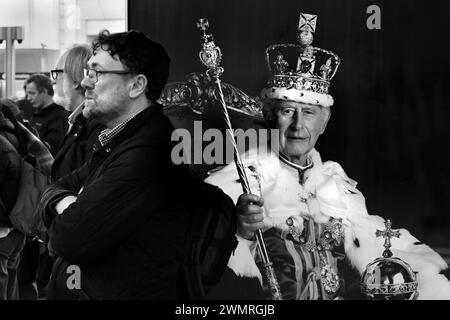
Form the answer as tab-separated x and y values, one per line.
388	234
210	55
203	25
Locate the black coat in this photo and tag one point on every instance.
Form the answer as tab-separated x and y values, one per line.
76	146
9	169
51	124
126	229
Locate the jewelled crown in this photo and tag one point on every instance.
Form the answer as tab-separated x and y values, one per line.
301	72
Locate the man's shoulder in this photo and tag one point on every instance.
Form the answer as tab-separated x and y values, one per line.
51	113
59	109
334	169
147	141
55	110
156	122
150	128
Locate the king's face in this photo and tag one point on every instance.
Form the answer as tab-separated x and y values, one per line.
300	125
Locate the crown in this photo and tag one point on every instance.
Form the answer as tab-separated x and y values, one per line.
301	72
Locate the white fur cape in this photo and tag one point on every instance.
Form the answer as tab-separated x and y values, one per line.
337	197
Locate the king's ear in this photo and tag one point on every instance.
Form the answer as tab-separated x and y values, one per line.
138	86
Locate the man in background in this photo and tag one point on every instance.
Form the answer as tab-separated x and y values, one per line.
26	109
49	119
82	134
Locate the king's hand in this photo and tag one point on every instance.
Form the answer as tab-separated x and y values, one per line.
250	215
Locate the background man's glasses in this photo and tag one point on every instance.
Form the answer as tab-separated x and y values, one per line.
54	73
92	74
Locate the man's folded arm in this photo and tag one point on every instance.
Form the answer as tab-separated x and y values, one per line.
66	186
109	210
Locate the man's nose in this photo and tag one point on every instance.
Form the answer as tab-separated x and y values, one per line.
297	122
86	83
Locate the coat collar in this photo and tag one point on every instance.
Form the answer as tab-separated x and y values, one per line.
133	126
80	124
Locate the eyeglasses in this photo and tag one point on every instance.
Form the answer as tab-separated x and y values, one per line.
92	74
54	73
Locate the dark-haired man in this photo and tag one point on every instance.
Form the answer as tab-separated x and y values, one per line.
49	119
120	220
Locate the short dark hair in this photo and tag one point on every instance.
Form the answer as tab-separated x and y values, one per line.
42	82
140	55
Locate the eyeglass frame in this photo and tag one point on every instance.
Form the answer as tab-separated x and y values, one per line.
97	72
54	73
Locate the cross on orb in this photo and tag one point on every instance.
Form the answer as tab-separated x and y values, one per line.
387	234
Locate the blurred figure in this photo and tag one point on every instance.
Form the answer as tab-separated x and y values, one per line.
29	254
49	119
25	106
77	143
11	240
13	107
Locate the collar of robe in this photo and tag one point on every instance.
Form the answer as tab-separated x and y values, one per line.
301	169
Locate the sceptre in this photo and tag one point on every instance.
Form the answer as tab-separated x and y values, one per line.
211	56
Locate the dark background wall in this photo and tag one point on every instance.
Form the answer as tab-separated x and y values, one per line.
390	122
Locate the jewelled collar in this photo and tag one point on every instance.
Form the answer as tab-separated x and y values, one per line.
309	165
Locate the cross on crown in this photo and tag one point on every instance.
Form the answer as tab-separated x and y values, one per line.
307	22
388	234
301	67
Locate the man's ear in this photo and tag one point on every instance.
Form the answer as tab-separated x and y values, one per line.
138	86
326	114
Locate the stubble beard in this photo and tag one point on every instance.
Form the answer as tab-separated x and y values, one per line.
88	112
93	110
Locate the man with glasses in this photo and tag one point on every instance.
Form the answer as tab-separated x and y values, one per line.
49	118
82	133
118	222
